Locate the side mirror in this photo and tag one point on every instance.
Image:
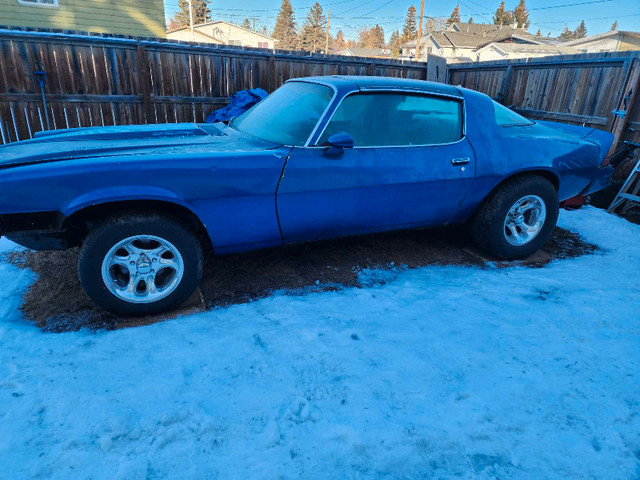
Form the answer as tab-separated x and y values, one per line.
338	142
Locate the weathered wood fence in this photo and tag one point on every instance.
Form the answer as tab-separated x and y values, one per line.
95	80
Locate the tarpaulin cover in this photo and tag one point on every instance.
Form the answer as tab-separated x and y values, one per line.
238	104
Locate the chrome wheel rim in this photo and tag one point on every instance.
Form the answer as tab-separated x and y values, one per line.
525	220
142	269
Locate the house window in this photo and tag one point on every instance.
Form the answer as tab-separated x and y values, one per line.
263	44
237	43
39	3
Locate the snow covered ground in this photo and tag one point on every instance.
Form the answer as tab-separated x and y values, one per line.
443	372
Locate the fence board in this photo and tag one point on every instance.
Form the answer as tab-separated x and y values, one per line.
106	80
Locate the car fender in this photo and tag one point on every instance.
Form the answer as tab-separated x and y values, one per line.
123	193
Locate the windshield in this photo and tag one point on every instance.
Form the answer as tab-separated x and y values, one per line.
288	115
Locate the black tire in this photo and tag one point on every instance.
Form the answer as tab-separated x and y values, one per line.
104	236
488	223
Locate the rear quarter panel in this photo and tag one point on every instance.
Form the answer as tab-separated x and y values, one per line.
502	152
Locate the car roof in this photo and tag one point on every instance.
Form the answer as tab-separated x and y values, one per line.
385	83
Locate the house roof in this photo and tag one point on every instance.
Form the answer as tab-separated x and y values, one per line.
477	36
478	28
531	49
218	22
365	52
600	36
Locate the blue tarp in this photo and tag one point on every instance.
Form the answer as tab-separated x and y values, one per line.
238	104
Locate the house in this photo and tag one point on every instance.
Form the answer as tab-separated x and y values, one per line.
365	52
505	51
120	17
223	33
461	40
613	41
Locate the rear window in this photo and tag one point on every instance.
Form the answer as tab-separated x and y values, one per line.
508	118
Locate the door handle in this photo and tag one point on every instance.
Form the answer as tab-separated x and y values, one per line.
460	161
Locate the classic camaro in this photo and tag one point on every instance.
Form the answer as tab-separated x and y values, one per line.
320	157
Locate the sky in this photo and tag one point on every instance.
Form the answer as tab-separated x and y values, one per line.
550	16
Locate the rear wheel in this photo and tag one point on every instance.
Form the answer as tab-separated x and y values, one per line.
518	218
140	264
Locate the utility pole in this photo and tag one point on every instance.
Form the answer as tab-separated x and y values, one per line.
326	41
419	31
193	36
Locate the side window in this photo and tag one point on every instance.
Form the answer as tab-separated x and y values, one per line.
396	119
508	118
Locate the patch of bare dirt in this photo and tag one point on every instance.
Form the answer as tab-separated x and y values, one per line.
57	303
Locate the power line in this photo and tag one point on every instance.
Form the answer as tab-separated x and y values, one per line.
595	18
379	8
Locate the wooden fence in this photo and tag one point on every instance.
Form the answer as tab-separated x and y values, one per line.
587	89
96	80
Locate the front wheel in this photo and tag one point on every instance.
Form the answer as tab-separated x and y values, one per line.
517	219
140	264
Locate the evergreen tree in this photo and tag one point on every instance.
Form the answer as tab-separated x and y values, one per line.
338	43
502	16
285	29
409	30
395	44
614	26
470	20
521	15
567	34
377	37
201	13
246	24
581	31
371	37
314	30
455	16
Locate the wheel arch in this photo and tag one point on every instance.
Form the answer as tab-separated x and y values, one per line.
550	175
79	221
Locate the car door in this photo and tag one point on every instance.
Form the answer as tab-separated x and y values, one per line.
411	166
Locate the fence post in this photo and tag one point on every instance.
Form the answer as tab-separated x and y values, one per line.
436	68
144	77
272	73
627	101
506	85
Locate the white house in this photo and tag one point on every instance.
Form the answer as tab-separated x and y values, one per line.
223	33
365	52
505	51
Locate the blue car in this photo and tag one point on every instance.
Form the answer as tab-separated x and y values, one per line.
321	157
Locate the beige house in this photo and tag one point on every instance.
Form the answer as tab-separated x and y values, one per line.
223	33
614	41
119	17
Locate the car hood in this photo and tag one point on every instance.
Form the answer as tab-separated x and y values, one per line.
79	143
